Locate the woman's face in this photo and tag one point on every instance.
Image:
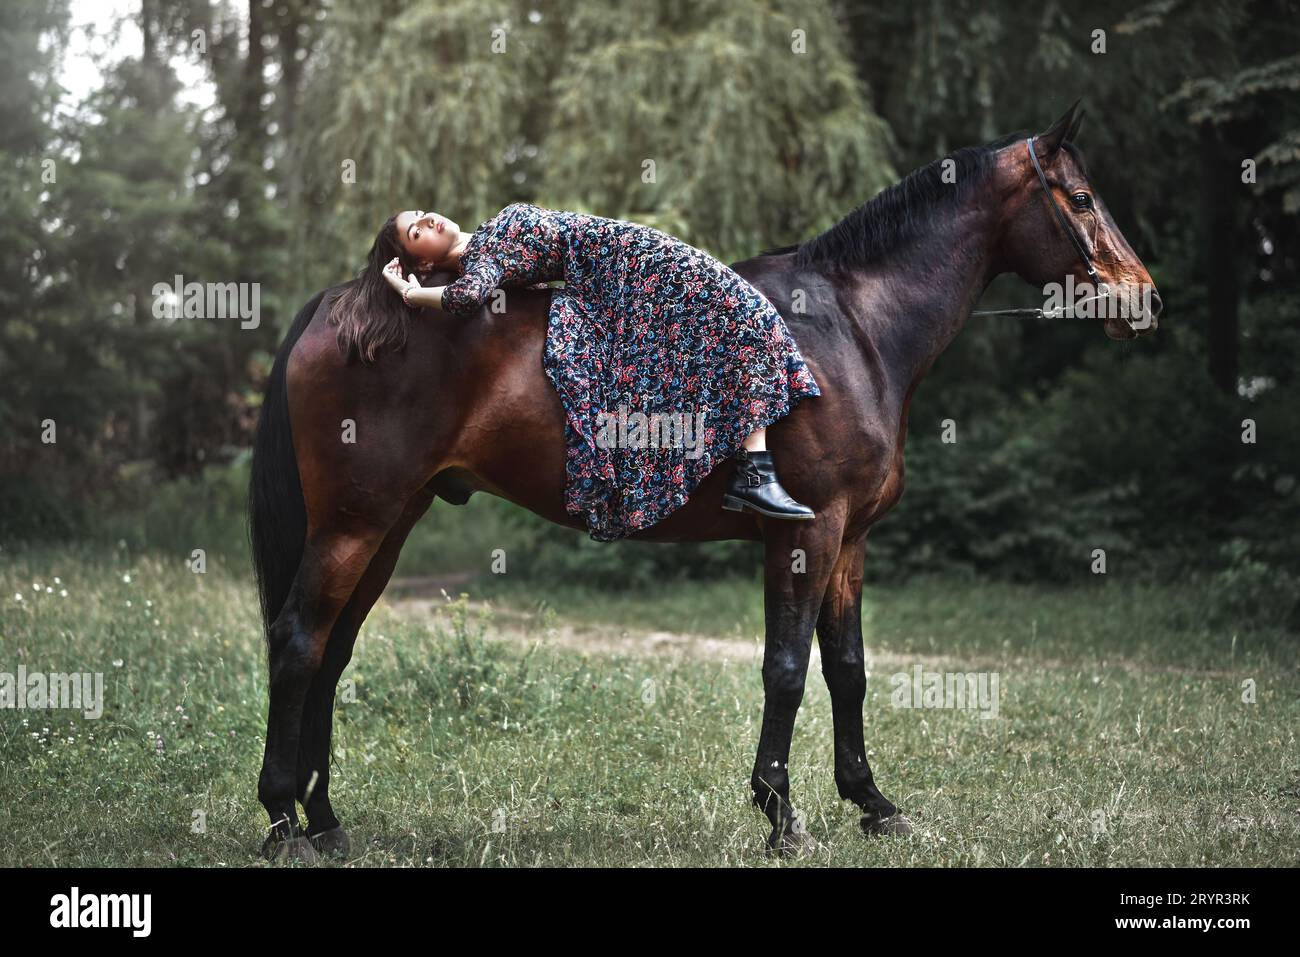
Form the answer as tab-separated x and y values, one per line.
426	236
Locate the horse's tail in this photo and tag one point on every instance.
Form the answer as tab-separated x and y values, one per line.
277	514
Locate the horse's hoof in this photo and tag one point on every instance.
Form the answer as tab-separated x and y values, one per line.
332	843
280	851
896	825
794	842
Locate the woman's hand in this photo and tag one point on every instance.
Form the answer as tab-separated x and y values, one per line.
393	276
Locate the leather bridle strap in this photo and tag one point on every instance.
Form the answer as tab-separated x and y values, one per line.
1074	240
1060	216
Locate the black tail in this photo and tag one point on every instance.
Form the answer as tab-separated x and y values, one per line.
277	515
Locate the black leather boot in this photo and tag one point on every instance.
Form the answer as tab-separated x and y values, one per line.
754	487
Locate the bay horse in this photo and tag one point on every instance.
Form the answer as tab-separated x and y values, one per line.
467	406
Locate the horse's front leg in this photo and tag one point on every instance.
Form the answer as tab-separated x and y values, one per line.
839	631
797	564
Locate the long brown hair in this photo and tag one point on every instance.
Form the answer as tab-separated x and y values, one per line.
370	315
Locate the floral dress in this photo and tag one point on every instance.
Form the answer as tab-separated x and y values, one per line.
664	359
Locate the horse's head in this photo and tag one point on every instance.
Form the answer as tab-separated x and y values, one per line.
1057	227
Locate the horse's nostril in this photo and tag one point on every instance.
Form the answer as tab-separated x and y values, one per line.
1156	304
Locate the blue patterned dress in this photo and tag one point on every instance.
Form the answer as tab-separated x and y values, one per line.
644	324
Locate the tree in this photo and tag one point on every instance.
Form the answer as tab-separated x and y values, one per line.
735	125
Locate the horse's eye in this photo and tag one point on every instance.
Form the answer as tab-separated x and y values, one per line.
1081	200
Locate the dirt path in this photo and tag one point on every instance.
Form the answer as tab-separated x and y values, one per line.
410	597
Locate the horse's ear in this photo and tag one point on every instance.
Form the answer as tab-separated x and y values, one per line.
1072	135
1050	140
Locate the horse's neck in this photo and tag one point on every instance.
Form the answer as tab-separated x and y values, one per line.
919	300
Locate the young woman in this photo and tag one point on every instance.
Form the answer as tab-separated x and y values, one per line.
644	323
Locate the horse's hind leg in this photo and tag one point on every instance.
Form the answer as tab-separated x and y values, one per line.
318	710
839	632
334	560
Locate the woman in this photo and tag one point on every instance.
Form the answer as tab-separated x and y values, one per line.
644	323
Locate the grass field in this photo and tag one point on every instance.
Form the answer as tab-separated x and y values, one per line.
577	728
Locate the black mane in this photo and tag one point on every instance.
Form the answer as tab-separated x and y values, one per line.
900	212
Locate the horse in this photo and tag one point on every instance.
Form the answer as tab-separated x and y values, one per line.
466	406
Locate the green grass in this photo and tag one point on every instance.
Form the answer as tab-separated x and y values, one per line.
1122	737
1144	624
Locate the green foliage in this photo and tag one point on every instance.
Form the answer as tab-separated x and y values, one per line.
1065	443
176	516
555	556
1243	96
1248	588
430	116
759	132
466	107
540	553
36	511
1119	455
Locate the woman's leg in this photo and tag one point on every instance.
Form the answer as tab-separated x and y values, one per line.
754	485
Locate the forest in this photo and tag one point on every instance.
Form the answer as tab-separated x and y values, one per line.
264	142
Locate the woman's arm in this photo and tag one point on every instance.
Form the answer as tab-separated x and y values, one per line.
468	294
464	297
412	293
417	295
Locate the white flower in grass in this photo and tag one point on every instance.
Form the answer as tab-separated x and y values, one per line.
127	578
18	596
63	593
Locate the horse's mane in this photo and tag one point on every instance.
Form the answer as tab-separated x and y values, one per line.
904	211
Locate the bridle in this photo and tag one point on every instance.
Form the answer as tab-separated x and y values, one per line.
1060	216
1065	228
